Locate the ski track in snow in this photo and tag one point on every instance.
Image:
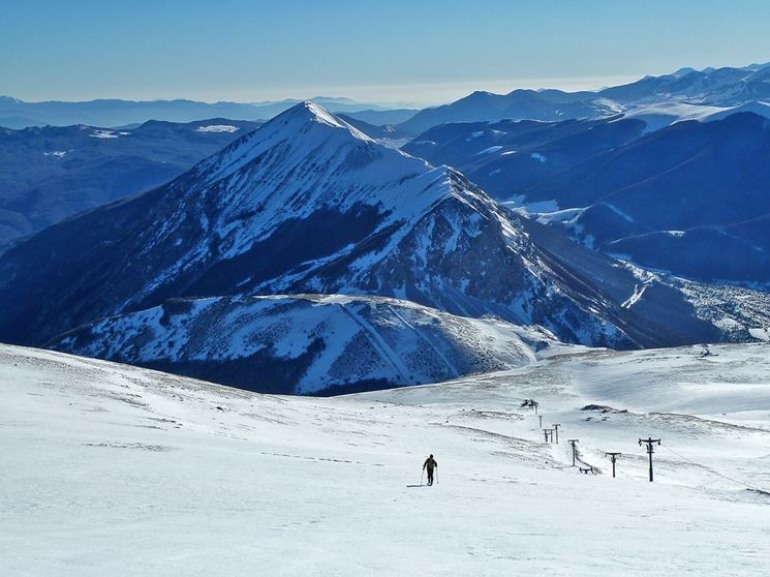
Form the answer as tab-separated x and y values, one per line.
447	363
384	349
116	470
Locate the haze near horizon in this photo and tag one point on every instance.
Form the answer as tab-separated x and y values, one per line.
394	53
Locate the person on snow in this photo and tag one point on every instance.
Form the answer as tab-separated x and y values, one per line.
430	464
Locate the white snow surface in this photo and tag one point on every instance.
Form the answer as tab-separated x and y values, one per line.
660	114
107	134
214	128
115	470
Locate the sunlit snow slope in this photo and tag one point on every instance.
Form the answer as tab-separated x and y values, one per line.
115	470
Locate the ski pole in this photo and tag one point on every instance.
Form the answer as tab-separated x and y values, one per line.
436	475
421	474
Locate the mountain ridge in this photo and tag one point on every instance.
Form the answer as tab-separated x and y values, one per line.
48	174
307	344
659	100
612	185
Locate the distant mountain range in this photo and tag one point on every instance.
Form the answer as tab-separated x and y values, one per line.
307	204
543	105
114	113
725	86
690	198
311	255
659	101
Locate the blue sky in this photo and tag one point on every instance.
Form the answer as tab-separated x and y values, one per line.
397	51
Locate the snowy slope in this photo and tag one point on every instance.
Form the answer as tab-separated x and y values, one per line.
115	470
316	344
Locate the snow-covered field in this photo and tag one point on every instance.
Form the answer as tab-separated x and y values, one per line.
109	470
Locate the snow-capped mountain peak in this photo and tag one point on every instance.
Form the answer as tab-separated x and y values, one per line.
302	117
304	132
316	113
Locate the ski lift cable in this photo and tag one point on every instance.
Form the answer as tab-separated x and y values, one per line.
717	473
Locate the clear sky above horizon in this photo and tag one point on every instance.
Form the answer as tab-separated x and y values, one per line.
410	52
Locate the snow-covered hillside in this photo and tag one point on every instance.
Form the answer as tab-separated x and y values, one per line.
120	471
308	344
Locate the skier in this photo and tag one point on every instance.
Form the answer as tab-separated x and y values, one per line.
429	464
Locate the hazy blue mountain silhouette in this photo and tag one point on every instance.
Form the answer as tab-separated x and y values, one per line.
116	113
546	105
